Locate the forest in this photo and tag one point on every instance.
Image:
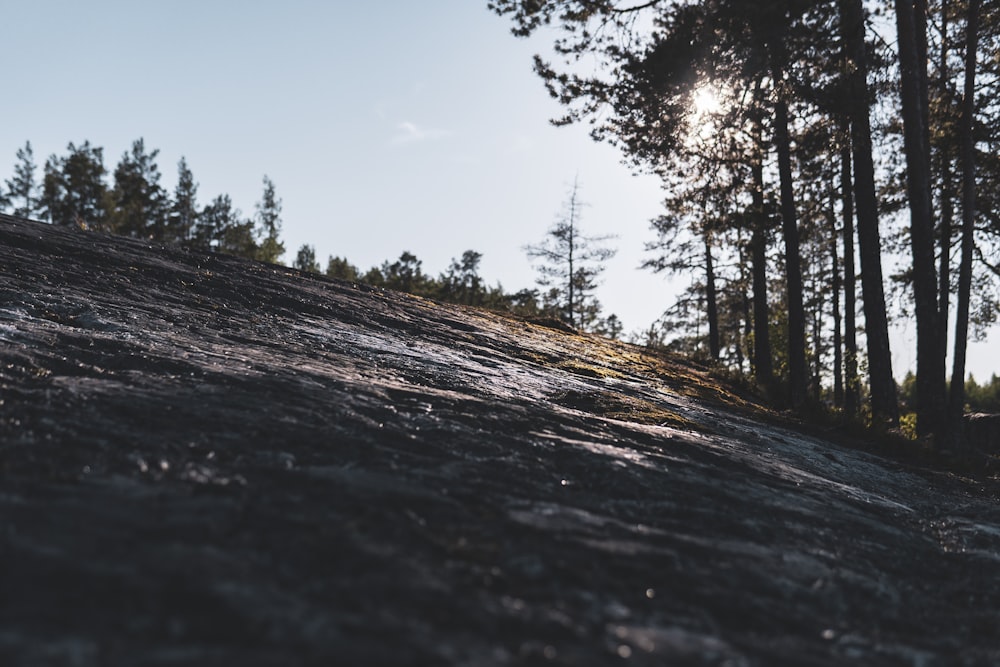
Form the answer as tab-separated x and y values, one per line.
826	166
822	160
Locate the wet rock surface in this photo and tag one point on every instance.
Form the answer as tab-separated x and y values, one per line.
210	461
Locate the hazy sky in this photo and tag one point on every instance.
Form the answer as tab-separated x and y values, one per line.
386	125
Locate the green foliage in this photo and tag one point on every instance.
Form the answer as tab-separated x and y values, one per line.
305	259
73	188
461	283
221	228
983	397
268	221
406	275
140	205
22	194
182	219
339	267
74	192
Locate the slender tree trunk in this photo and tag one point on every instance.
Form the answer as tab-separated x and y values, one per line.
947	201
930	361
968	147
838	353
572	275
763	365
747	332
797	384
711	298
944	249
817	353
885	407
851	394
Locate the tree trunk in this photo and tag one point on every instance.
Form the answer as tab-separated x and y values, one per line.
947	197
763	365
930	360
797	384
711	298
851	394
838	354
968	156
885	407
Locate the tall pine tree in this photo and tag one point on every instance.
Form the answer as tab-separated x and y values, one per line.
22	195
268	222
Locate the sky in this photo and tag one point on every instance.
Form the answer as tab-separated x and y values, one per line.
386	126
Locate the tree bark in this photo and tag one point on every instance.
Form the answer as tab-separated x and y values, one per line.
930	360
797	383
711	298
968	156
947	201
838	352
885	407
763	365
851	394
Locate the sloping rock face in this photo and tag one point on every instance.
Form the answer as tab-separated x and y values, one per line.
207	461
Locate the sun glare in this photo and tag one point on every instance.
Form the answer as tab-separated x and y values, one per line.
705	102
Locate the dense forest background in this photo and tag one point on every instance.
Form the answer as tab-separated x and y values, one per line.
824	163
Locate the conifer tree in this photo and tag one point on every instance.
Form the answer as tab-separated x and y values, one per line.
268	223
339	267
911	27
571	264
141	206
22	195
221	228
406	275
74	192
461	283
183	216
305	259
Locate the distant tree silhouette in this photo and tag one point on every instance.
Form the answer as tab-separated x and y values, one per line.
570	264
339	267
73	189
406	275
305	259
268	221
141	206
221	228
183	217
22	194
461	283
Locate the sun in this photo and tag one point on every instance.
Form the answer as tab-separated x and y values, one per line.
705	102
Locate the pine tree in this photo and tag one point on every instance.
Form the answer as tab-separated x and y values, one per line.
571	264
305	260
74	192
339	267
268	225
461	283
221	228
406	275
141	207
183	216
23	194
968	161
911	25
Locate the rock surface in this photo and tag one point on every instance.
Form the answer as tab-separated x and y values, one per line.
207	461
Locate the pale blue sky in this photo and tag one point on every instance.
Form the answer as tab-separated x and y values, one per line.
386	125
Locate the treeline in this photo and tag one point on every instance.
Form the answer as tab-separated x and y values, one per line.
978	397
74	191
462	284
841	171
